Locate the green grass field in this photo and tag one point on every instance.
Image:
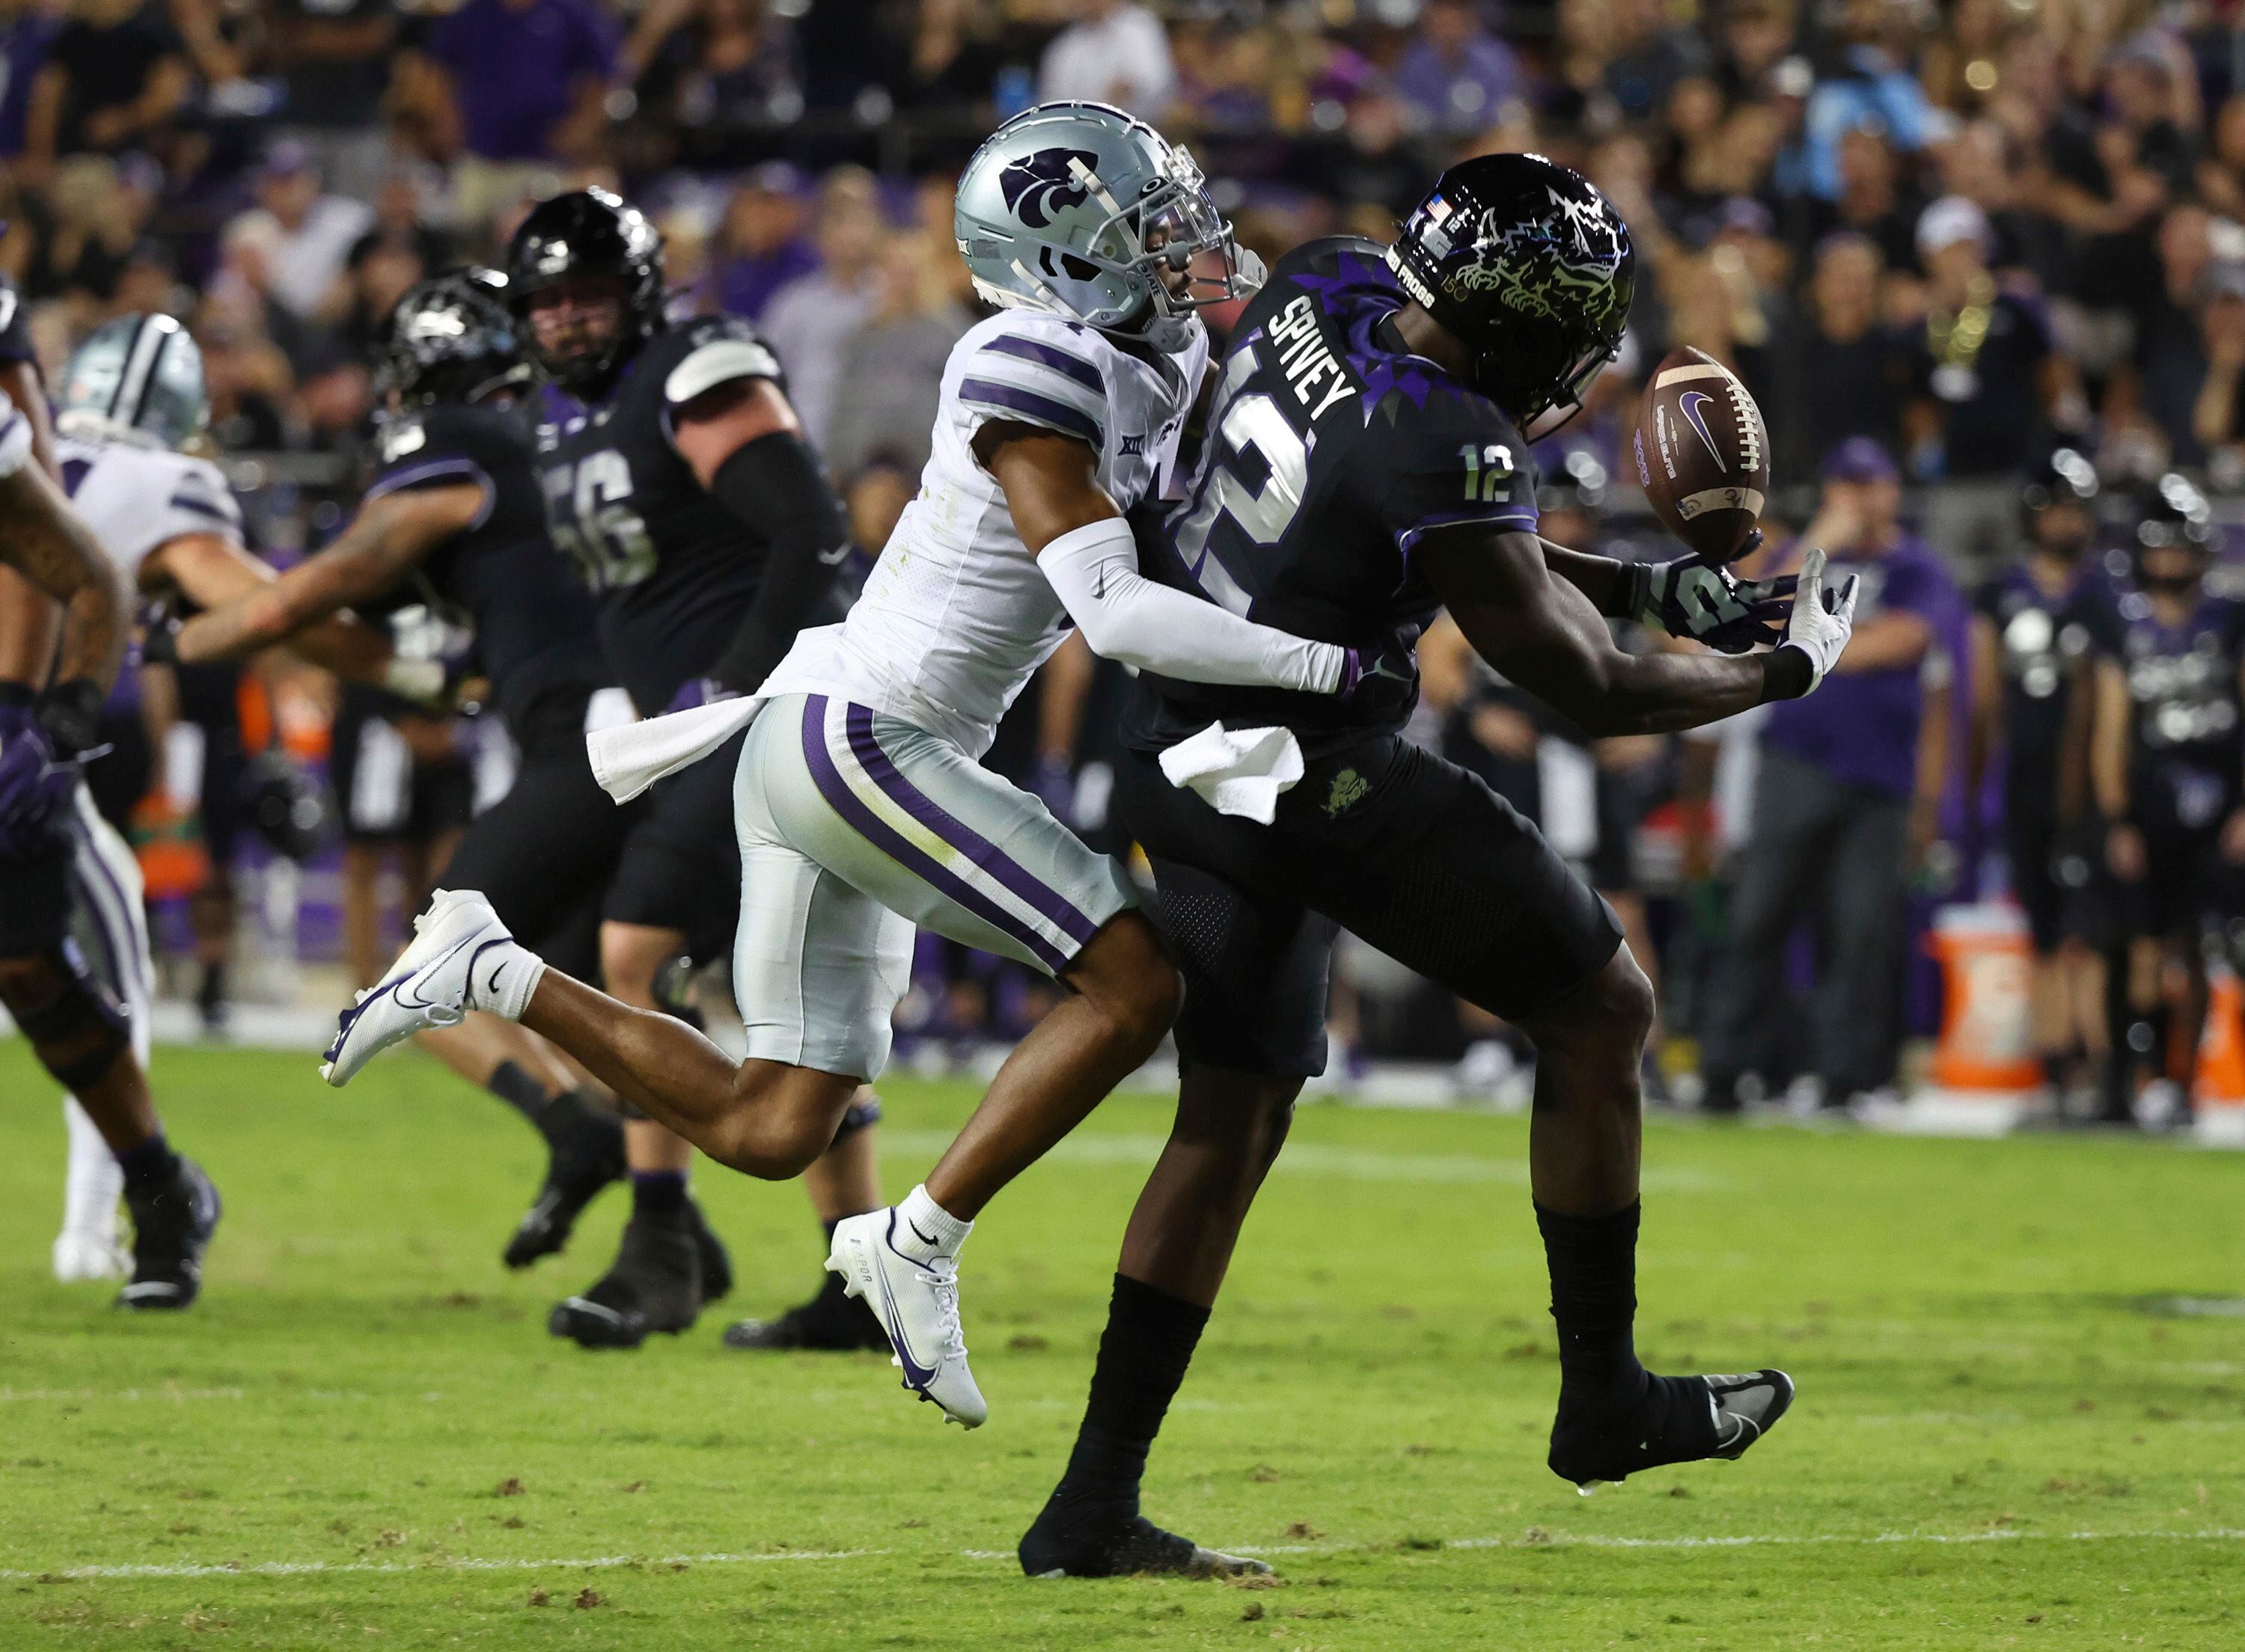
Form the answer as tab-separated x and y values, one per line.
363	1437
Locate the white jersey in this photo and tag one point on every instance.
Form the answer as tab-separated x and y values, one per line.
957	616
136	498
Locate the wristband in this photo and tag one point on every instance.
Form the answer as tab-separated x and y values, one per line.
1632	590
422	680
71	714
1787	672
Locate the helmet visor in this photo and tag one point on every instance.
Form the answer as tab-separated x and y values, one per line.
1568	394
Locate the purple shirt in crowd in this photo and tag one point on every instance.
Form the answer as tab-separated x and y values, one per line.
1456	94
515	69
745	284
1861	727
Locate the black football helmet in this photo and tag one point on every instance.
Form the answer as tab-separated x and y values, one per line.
588	232
2064	476
1531	268
2172	514
451	339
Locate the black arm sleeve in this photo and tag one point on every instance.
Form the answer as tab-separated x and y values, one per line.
774	483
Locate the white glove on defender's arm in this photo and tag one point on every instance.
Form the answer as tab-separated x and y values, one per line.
1822	620
1126	617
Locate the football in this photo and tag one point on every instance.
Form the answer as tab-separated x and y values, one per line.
1702	453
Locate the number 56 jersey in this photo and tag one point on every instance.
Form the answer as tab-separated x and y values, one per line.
1332	452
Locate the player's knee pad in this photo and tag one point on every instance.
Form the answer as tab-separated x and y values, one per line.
858	1115
74	1024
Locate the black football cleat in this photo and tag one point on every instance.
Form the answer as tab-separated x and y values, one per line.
716	1261
654	1285
826	1324
585	1149
1099	1537
171	1228
1680	1420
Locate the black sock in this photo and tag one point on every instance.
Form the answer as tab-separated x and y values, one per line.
658	1193
1143	1352
512	1083
150	1167
1593	1262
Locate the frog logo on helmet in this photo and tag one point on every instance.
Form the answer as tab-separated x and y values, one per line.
1043	184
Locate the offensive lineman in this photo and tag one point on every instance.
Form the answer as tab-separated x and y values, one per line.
1428	369
861	806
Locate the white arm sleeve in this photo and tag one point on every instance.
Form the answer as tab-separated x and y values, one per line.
1126	617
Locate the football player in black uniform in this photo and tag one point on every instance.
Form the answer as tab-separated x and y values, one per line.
676	474
454	520
2033	631
1367	463
2164	760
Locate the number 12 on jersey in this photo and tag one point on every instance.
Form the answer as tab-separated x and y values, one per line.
1489	466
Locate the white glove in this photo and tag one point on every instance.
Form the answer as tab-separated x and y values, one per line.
1822	620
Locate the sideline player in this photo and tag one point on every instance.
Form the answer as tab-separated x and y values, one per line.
862	808
1434	365
2165	761
454	518
2032	636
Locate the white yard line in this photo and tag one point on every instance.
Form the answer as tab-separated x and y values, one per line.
1534	1537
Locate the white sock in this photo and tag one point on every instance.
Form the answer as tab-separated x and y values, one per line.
502	979
94	1183
926	1229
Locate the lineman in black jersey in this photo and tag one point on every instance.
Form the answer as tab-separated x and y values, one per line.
1367	463
675	475
454	520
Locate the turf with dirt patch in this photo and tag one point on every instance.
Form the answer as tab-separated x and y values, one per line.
2022	1401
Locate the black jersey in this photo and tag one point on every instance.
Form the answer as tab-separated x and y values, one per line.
2040	639
2183	684
673	571
532	619
1330	451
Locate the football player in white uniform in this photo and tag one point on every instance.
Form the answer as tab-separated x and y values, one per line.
861	808
169	523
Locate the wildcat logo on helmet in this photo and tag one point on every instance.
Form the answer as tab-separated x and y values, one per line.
1044	184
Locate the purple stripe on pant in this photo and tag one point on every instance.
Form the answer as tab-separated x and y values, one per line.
881	835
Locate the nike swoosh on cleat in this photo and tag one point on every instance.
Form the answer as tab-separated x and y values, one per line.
405	1003
917	1376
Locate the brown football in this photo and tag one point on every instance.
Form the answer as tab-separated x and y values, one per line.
1702	453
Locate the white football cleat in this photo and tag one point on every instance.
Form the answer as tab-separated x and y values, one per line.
427	987
83	1254
918	1305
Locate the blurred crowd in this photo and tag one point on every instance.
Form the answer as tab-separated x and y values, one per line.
1936	240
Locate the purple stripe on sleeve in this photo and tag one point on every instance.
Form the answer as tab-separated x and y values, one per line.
1043	409
874	830
1517	516
1045	356
961	836
433	471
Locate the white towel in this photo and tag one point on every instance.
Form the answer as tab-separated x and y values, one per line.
631	757
1239	771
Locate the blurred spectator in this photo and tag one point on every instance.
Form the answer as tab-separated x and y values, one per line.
401	220
27	35
724	74
2170	365
301	234
1985	376
87	230
334	61
1646	56
812	320
115	77
1373	158
892	370
1850	778
875	499
942	62
1842	373
1457	73
1862	85
2218	412
1873	200
1114	53
761	247
525	84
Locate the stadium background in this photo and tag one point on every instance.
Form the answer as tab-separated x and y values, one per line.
277	173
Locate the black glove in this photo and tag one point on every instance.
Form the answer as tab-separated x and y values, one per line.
69	715
1695	599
